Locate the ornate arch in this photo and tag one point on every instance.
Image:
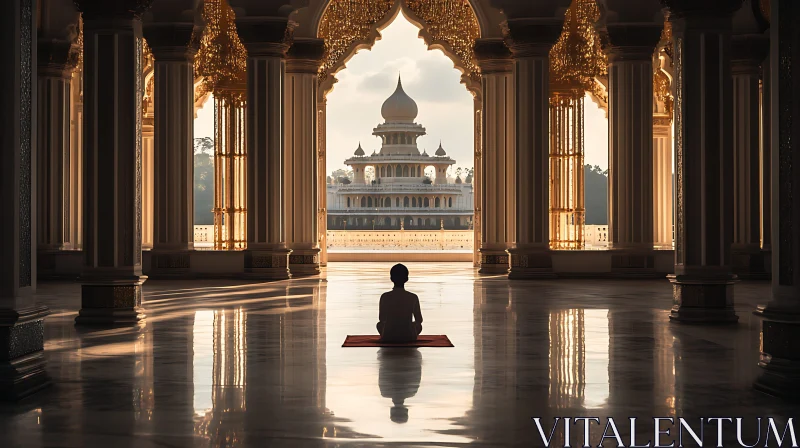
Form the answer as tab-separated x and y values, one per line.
448	25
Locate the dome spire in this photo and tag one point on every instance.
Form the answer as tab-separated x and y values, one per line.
440	151
359	151
399	107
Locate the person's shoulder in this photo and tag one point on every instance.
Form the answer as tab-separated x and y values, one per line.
412	295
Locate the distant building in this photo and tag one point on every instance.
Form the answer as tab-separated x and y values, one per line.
400	194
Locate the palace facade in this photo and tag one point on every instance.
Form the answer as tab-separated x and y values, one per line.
398	195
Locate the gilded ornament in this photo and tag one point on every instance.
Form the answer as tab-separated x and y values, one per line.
222	58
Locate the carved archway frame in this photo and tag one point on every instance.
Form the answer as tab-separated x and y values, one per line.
327	78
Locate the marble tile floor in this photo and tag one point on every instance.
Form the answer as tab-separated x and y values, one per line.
227	364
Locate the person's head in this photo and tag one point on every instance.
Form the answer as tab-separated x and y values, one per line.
399	274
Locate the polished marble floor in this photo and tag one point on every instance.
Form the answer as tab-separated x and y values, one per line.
227	364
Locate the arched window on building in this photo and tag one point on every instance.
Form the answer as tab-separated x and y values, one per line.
369	202
398	171
419	202
450	202
363	202
426	203
348	202
387	202
405	171
436	203
419	222
383	171
405	201
397	202
413	202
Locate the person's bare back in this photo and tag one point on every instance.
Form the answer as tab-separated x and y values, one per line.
396	309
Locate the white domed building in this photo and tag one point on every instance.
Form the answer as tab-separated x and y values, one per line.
400	195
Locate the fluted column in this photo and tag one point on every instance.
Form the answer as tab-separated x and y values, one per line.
477	181
301	155
703	282
53	110
780	334
267	255
173	102
630	147
148	181
662	182
530	41
21	320
766	160
75	202
747	53
322	199
497	158
112	163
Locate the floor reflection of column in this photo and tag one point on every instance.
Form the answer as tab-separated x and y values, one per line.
172	361
567	375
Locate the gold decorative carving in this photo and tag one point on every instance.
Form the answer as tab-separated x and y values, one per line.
576	62
450	25
663	90
222	58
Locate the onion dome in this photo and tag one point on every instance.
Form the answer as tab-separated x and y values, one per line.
440	151
399	108
359	152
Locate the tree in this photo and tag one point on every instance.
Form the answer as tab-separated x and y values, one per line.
203	181
427	180
470	174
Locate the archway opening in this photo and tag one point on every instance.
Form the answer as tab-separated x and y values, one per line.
399	112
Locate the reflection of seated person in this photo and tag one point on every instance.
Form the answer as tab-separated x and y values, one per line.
399	376
396	309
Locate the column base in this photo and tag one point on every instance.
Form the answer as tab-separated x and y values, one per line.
167	264
530	264
22	362
494	261
750	264
304	262
780	361
111	302
626	263
267	264
702	299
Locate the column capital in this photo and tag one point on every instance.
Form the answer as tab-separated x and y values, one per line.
532	37
54	58
748	52
170	41
632	41
305	55
265	36
493	56
117	9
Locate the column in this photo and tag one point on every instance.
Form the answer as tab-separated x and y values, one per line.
747	54
173	204
766	162
302	156
780	331
630	146
148	170
112	164
53	113
75	209
21	320
530	41
322	199
477	181
266	256
497	158
703	281
662	182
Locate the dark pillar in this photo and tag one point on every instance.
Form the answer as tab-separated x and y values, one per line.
780	332
703	281
21	320
112	163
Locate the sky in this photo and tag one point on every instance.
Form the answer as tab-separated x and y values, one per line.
445	105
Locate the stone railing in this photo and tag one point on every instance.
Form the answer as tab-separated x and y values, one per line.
409	210
595	237
401	239
388	188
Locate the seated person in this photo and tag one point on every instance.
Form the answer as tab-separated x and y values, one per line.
396	309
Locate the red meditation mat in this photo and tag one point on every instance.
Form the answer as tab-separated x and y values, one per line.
433	340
